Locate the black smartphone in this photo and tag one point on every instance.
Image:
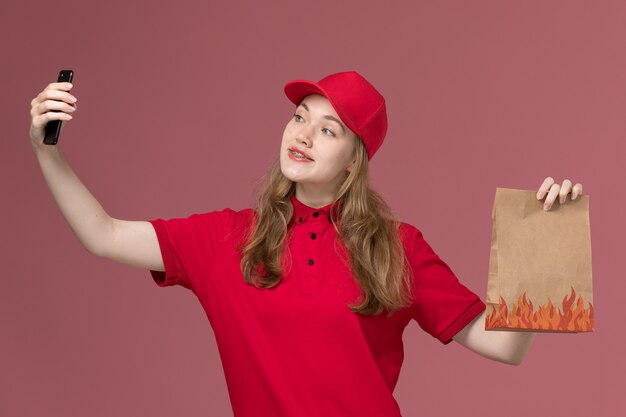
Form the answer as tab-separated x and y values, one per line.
53	128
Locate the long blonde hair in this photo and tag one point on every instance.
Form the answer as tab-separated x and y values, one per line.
367	226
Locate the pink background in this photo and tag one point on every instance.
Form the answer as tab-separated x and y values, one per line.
181	110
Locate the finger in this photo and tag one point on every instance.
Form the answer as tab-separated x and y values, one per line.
42	120
545	186
50	105
52	94
577	190
565	189
41	116
552	194
60	86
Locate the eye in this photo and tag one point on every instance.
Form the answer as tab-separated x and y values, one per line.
298	118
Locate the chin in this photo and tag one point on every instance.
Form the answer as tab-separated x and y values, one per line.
290	175
285	172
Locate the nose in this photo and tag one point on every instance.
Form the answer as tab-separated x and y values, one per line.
304	142
304	137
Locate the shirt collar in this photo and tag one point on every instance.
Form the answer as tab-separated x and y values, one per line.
302	212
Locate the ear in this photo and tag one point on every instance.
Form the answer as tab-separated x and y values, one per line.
351	166
354	154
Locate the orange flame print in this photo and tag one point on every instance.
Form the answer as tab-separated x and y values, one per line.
548	318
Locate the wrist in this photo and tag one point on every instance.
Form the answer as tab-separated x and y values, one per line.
42	147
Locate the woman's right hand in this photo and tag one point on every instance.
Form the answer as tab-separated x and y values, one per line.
54	97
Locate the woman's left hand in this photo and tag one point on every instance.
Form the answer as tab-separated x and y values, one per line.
553	190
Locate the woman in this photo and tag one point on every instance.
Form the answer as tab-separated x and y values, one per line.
308	294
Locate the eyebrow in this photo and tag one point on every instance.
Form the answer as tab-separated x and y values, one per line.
326	116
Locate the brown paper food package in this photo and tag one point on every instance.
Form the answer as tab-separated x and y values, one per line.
540	264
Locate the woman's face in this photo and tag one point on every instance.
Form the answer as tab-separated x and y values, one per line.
317	130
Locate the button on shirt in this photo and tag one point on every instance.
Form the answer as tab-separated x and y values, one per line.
297	349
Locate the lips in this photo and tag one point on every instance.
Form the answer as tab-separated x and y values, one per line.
293	148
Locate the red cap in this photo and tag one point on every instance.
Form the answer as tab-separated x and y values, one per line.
357	103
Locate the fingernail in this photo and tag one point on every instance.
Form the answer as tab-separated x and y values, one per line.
539	195
70	85
546	207
72	98
562	200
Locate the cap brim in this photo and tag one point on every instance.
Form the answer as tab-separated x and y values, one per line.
296	90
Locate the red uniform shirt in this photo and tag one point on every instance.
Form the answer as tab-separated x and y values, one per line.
297	349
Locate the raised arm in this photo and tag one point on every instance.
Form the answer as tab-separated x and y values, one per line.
131	242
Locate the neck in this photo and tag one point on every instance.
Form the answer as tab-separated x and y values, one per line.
314	196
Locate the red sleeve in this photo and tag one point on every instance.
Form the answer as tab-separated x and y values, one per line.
189	247
443	306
